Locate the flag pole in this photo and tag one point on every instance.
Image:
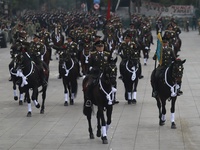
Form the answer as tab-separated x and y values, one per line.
108	10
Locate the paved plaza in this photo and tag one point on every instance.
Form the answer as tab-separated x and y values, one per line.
133	127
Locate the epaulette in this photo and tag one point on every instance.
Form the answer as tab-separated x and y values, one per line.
93	52
169	31
106	52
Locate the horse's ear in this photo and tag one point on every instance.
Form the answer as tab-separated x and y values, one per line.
113	60
183	61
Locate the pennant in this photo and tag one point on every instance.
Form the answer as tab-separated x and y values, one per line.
159	48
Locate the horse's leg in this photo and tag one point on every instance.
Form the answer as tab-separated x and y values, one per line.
44	89
109	110
160	112
21	97
29	104
35	97
87	111
74	86
103	125
65	92
15	90
163	112
98	124
134	93
173	101
128	89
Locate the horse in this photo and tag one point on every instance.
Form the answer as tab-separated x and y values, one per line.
130	71
168	84
69	74
30	75
101	95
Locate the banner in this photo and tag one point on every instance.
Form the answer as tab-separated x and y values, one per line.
159	48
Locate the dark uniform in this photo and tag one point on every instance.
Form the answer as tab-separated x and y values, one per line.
19	36
170	36
98	60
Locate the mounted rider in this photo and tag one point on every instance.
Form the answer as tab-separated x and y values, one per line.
69	49
167	58
19	36
36	50
46	38
170	36
99	59
129	50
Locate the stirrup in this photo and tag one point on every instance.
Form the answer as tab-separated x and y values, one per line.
88	103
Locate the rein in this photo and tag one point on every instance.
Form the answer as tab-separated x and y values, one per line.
108	95
173	88
67	70
133	77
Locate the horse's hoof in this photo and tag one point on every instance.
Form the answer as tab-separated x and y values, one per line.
91	136
42	111
25	100
173	126
134	101
66	103
104	140
71	102
129	102
15	98
20	103
161	123
98	133
145	64
29	114
38	105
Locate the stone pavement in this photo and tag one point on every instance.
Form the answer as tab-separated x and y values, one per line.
134	127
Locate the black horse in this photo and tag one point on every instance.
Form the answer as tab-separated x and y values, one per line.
130	72
101	95
167	84
30	74
69	74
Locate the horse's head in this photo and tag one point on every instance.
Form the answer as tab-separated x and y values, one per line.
177	69
110	72
65	56
19	61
